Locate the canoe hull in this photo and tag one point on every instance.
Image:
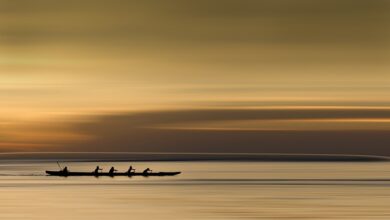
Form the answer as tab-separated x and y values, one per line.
60	173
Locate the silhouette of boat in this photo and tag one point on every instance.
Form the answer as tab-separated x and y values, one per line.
61	173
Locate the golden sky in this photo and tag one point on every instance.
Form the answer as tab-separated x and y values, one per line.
68	65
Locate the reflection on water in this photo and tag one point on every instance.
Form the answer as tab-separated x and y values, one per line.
217	190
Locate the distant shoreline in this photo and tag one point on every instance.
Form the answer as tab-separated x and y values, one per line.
143	156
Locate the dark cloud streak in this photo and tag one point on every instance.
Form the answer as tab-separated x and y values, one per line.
135	132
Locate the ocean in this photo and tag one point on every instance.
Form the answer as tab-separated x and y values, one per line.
204	190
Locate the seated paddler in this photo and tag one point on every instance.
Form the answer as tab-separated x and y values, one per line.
65	170
112	171
147	170
96	171
130	170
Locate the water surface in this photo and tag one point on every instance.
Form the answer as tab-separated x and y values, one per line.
205	190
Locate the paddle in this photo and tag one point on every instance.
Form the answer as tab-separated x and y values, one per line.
59	165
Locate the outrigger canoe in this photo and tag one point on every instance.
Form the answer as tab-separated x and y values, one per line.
61	173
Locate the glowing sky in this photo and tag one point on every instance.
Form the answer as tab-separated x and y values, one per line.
70	69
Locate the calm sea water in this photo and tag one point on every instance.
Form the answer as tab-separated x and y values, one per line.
205	190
